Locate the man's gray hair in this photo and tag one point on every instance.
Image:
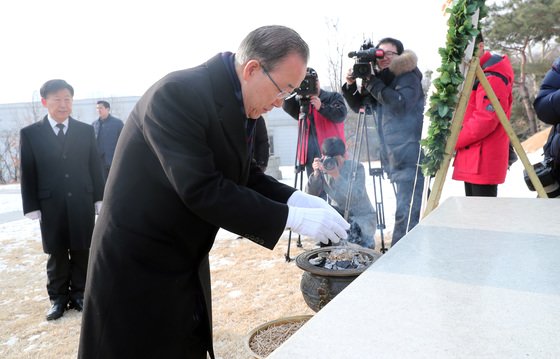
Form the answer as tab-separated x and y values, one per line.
270	44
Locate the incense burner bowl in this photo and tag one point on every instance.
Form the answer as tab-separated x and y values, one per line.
321	281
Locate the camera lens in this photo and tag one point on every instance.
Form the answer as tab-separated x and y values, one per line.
329	163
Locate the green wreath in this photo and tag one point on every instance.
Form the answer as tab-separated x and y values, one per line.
444	98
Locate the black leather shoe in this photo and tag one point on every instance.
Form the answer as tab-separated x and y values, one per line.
77	304
56	311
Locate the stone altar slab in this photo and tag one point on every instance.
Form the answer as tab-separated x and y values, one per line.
477	278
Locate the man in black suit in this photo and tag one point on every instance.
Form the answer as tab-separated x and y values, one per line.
62	187
182	169
107	131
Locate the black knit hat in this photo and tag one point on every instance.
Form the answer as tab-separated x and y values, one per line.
390	40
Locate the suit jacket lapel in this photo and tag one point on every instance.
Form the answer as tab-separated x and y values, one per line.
70	133
49	134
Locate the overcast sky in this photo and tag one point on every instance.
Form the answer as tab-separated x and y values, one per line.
119	48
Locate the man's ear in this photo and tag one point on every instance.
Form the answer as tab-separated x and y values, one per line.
44	102
250	69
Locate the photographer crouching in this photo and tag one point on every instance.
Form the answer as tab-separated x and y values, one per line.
325	112
332	176
392	86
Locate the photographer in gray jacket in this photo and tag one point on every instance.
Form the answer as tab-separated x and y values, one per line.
333	176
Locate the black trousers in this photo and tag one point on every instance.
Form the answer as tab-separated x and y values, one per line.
66	275
481	190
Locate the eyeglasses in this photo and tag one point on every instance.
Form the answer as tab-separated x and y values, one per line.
389	54
282	94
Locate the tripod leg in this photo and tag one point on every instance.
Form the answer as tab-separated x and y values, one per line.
380	208
301	153
287	255
377	174
299	245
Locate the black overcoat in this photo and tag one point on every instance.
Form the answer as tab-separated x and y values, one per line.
56	176
181	171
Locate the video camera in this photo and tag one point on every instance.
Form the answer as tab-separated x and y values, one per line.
365	59
308	86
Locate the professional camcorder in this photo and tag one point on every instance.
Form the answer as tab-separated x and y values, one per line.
308	86
329	163
366	58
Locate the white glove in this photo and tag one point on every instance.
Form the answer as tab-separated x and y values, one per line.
98	207
305	200
319	223
34	215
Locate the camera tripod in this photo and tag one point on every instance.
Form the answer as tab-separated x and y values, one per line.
300	160
376	173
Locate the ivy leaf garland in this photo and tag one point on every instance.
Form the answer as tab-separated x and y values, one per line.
444	99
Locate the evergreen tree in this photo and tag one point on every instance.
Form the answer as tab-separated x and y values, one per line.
528	31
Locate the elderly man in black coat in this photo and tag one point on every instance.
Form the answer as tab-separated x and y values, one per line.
62	186
183	168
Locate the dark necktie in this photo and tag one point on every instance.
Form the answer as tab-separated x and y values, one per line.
60	134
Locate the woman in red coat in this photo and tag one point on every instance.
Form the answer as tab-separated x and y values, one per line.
482	149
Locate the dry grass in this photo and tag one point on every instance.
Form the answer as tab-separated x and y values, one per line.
251	285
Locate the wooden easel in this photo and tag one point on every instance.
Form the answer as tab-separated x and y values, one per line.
474	69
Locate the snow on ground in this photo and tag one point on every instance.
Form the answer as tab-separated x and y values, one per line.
12	220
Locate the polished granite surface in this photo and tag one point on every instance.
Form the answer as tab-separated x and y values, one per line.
478	278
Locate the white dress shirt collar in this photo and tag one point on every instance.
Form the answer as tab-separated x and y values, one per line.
54	123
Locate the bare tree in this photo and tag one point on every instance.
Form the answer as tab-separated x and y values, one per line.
9	157
9	140
335	56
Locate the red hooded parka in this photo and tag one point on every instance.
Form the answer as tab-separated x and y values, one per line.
483	146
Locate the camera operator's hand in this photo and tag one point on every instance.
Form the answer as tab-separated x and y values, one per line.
316	102
317	166
350	80
367	79
318	223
